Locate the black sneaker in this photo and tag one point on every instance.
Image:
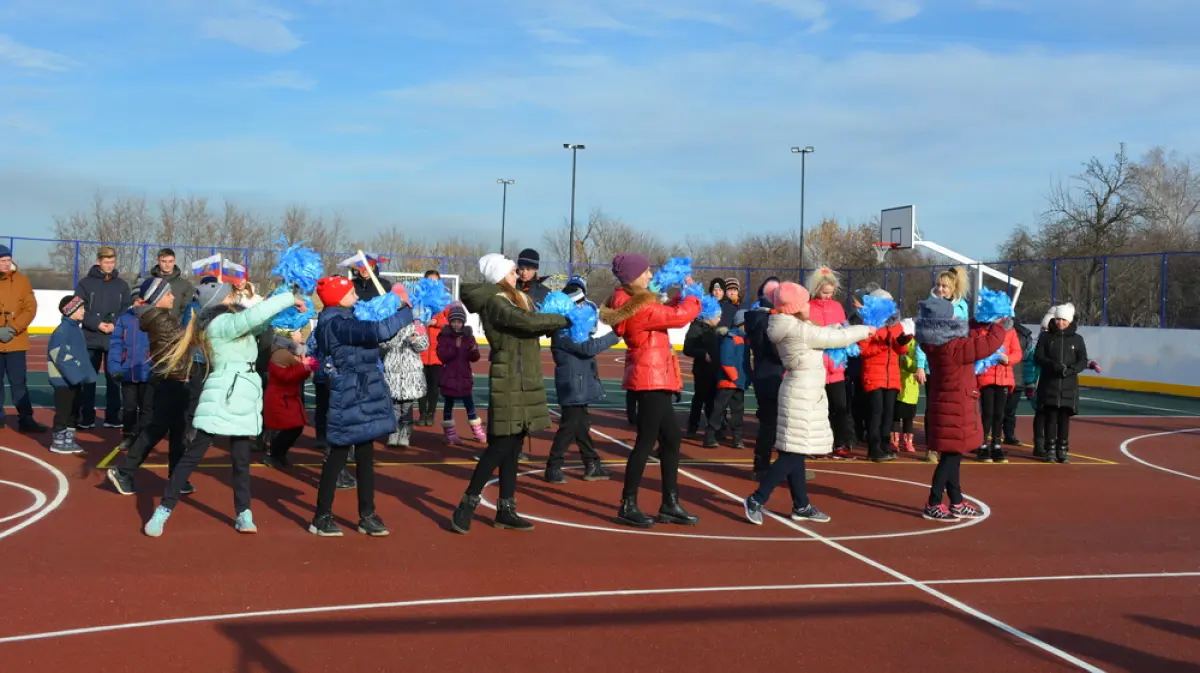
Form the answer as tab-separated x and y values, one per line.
998	454
595	472
372	525
1012	441
187	489
324	526
121	481
126	444
555	475
277	463
346	481
983	454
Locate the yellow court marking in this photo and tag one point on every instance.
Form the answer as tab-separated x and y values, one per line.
103	465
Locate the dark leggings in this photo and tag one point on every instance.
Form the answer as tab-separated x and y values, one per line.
788	466
992	401
1058	426
905	415
364	463
283	441
946	479
239	451
840	418
656	423
881	402
433	391
503	451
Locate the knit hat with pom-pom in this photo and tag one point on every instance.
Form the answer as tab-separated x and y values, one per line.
789	298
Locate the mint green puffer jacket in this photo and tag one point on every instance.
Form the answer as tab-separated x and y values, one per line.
231	403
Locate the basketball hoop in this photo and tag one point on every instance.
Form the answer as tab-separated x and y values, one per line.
882	249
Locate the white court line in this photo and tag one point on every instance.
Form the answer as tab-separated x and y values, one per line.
1129	454
1140	406
945	598
616	593
63	487
39	499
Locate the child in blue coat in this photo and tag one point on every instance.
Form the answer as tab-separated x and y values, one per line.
129	362
70	369
731	385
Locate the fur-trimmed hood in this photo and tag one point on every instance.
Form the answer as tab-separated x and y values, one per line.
939	332
625	303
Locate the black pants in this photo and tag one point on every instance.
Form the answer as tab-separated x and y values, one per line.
503	451
905	415
857	398
768	426
631	407
1010	414
283	441
239	450
841	421
881	403
946	479
169	419
335	462
789	466
704	396
1039	427
1058	427
321	417
656	423
137	407
433	391
732	400
992	402
66	407
195	386
13	366
575	425
112	393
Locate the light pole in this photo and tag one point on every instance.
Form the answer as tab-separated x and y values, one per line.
503	209
803	152
574	147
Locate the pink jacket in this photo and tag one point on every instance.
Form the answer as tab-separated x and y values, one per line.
824	312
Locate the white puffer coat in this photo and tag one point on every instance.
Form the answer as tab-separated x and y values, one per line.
803	407
402	367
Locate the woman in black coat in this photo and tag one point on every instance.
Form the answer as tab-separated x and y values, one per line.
1062	355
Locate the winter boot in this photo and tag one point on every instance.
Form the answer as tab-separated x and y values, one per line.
554	475
1039	447
460	521
1051	451
393	439
507	517
630	515
477	430
672	512
738	442
594	471
931	456
710	439
1062	453
983	454
58	443
894	446
909	444
125	444
451	433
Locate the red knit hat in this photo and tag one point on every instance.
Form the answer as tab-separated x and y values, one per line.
332	289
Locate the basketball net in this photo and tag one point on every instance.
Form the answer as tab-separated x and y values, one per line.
881	251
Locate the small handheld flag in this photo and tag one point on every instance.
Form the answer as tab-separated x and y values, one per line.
233	270
209	266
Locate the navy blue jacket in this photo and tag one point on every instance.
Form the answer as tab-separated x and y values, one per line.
766	368
107	297
576	377
360	404
732	374
129	349
67	359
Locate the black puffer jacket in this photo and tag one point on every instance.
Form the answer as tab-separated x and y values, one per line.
107	297
365	289
536	289
1023	337
766	367
703	345
1062	355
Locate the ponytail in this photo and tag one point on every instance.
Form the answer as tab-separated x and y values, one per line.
518	298
962	282
178	358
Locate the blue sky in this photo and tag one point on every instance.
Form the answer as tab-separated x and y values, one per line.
406	113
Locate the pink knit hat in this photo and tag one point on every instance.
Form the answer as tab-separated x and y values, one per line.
788	298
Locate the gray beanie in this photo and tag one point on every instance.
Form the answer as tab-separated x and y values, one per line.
210	294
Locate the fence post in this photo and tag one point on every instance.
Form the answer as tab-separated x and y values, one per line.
1054	281
900	288
75	267
145	259
1008	272
1162	302
1104	291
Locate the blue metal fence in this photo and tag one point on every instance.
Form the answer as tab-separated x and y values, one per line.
1136	290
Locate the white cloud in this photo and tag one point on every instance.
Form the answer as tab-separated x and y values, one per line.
24	56
258	27
285	79
892	11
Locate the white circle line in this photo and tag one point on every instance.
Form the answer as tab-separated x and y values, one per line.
1129	454
63	487
987	512
39	499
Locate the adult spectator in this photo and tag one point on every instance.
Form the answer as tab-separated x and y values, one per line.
18	305
181	287
107	296
527	279
363	286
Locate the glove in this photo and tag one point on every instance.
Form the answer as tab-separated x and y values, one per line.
1029	392
908	326
7	334
1094	366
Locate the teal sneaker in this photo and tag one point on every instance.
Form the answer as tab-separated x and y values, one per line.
245	523
154	527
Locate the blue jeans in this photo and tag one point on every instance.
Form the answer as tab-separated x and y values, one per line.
12	367
788	466
448	407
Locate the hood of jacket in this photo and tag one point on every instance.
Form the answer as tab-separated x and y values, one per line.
95	272
940	332
158	273
624	305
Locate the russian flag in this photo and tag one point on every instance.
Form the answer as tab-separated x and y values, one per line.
358	261
209	266
376	259
233	270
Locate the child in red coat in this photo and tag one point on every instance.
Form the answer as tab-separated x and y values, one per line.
283	407
996	383
881	382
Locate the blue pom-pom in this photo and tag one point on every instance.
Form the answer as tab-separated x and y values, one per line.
298	266
673	273
839	356
876	311
290	318
557	303
428	297
709	307
993	306
584	318
987	363
693	290
380	308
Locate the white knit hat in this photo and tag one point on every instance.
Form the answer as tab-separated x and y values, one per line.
880	293
1047	318
495	267
1065	312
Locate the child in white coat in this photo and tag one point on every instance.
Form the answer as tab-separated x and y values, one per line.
803	427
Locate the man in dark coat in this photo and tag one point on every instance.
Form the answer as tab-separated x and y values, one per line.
107	296
363	286
181	287
527	279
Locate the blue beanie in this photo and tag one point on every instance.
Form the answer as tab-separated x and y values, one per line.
153	289
5	251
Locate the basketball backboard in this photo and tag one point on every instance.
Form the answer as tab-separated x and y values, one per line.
897	225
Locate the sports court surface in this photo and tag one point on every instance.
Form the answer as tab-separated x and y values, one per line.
1093	565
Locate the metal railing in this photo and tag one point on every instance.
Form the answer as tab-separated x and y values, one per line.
1134	290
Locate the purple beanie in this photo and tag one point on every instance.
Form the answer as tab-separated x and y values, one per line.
627	266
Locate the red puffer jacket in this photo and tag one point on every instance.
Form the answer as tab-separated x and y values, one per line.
824	312
952	415
642	321
881	358
1002	375
283	404
429	356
